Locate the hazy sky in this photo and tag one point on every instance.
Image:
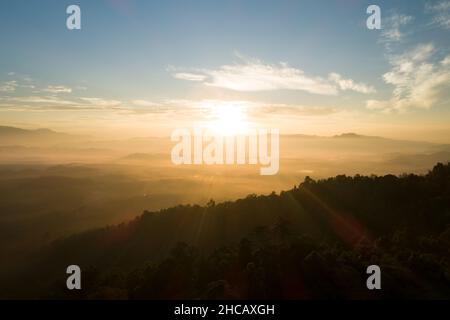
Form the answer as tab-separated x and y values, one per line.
148	67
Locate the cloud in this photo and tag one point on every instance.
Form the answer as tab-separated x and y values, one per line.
446	61
349	84
102	103
200	109
267	110
252	108
9	86
39	103
261	77
253	75
179	109
13	85
189	76
56	102
392	28
441	13
144	103
417	81
58	89
41	100
53	102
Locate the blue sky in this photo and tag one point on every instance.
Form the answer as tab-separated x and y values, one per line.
306	58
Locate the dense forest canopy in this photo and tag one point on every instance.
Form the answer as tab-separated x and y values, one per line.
313	241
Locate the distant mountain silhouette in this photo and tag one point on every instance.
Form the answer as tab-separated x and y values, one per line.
143	157
351	135
314	241
37	137
6	131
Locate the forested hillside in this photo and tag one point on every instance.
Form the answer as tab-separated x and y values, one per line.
314	241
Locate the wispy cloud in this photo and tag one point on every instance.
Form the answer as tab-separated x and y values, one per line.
417	80
55	102
268	110
38	103
58	89
9	86
103	103
441	13
41	100
23	82
392	28
349	84
259	109
144	103
253	75
446	61
189	76
200	109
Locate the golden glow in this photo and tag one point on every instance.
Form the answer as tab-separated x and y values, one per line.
228	119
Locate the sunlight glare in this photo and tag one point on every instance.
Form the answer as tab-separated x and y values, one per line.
228	119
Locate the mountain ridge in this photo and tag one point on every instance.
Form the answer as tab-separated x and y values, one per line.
345	135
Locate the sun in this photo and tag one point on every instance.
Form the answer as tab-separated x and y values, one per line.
228	119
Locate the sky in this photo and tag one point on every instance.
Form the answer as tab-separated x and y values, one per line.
148	67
